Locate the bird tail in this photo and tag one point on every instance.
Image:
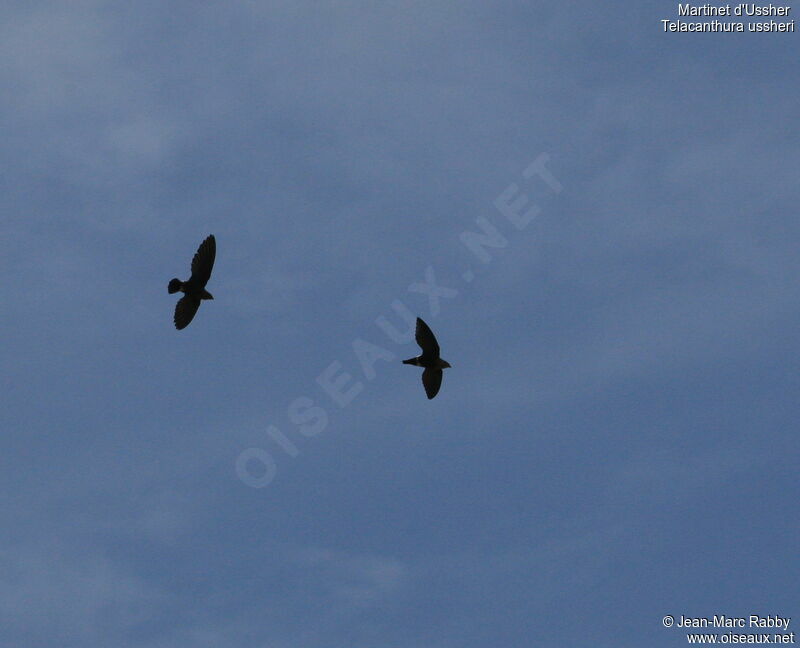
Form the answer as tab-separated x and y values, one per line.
174	286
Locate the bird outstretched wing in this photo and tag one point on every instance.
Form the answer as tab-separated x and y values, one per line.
432	380
427	342
184	311
203	261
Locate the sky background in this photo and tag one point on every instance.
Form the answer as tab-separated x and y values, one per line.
617	439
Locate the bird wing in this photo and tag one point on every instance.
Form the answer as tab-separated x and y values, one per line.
203	261
432	380
184	311
426	340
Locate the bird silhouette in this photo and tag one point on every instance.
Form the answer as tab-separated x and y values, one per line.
432	376
194	290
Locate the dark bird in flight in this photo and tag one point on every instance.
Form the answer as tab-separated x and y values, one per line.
432	376
194	290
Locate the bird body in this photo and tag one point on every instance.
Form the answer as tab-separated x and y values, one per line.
419	361
430	359
194	289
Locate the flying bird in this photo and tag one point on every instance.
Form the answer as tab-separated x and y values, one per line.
194	290
432	376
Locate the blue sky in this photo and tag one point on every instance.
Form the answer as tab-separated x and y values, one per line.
617	438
